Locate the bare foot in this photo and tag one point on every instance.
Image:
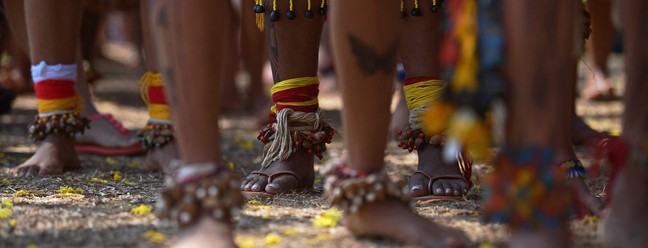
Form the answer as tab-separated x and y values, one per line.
431	162
393	220
399	119
159	159
598	87
540	239
54	156
626	223
105	134
207	232
301	163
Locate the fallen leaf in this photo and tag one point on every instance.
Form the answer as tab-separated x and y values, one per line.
254	202
31	246
6	181
265	216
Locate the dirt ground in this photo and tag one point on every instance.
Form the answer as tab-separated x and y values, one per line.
99	212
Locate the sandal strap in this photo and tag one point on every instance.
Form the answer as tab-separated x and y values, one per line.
260	173
273	176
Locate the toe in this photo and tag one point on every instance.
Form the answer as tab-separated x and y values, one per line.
456	189
259	185
438	188
248	185
245	182
417	186
282	184
447	188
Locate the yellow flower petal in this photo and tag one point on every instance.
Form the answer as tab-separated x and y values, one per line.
290	232
265	216
254	202
31	246
231	165
21	193
134	164
141	210
272	239
486	245
7	203
6	181
154	236
244	241
329	218
69	190
590	219
115	176
12	222
5	213
112	161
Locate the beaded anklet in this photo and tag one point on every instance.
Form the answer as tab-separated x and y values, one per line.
156	135
574	169
527	192
68	123
349	189
214	193
413	139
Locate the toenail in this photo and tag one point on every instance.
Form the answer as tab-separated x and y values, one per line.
439	191
255	187
274	186
416	187
456	192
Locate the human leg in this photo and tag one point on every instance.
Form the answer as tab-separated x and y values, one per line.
419	51
53	39
182	31
366	63
535	92
298	131
626	223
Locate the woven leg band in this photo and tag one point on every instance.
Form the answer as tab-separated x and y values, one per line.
527	191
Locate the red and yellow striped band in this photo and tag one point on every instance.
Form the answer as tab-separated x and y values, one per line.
57	95
152	92
298	94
